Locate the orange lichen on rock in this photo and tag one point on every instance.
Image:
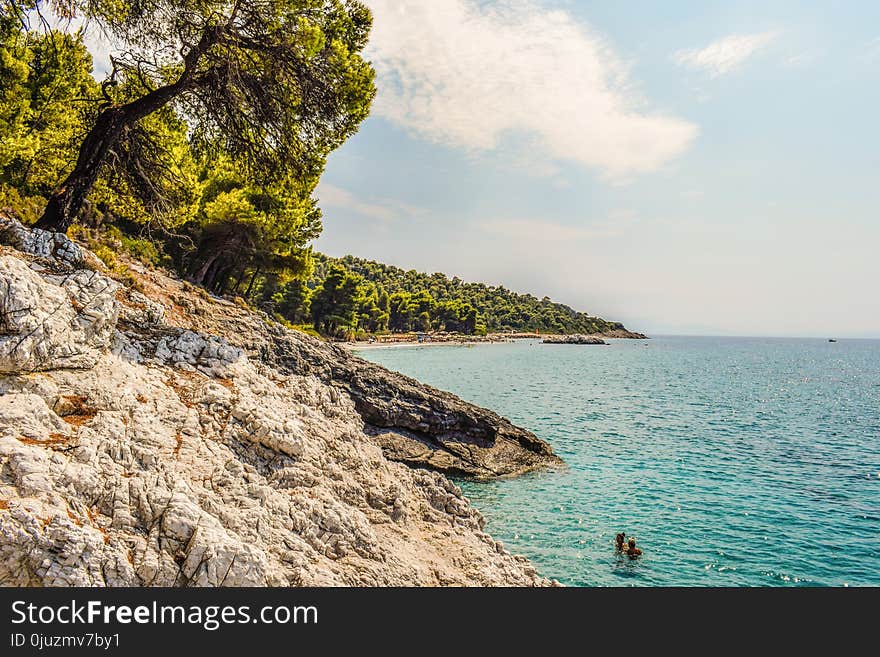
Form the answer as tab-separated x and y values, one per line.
122	296
93	520
53	439
184	393
74	410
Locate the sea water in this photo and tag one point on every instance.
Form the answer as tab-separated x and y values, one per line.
732	461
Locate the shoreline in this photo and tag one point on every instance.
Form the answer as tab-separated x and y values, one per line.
358	346
469	341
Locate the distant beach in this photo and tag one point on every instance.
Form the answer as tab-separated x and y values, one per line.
358	346
455	339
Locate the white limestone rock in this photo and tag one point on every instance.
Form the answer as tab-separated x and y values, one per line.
166	457
41	243
140	310
56	321
189	350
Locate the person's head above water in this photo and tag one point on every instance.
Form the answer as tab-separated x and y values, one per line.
632	550
620	538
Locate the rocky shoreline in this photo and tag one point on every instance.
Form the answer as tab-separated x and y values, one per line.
160	436
428	339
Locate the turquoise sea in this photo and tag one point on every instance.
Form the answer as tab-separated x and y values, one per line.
733	461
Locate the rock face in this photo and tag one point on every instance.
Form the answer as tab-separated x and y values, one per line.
33	241
414	423
574	339
624	334
138	448
55	321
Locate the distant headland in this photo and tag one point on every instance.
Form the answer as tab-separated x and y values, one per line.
357	300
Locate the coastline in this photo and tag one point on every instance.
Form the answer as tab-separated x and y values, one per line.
364	346
247	454
467	341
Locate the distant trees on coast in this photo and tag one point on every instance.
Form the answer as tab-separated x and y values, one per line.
351	295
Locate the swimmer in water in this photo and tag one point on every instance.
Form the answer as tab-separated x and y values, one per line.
618	542
631	550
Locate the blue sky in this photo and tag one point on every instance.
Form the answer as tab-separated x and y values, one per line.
684	167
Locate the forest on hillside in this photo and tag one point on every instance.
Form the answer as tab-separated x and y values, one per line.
387	298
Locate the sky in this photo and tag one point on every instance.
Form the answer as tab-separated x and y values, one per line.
704	167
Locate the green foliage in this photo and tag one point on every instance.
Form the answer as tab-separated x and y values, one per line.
305	328
392	299
294	302
335	303
276	85
153	175
250	236
117	269
27	208
15	110
138	248
48	99
218	180
46	92
372	309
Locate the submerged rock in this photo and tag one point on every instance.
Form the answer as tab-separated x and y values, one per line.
140	447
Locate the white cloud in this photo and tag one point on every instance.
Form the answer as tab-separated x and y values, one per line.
727	54
468	75
101	49
385	210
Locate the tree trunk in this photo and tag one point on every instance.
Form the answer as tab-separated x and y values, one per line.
210	280
202	272
109	129
223	278
247	294
238	279
63	207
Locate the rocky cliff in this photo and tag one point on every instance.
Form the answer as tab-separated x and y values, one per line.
162	437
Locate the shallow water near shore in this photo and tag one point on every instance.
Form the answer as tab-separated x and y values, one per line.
733	461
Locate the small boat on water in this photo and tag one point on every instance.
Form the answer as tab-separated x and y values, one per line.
831	340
